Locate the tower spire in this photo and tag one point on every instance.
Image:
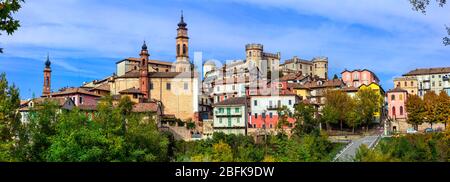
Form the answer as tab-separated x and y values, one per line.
182	24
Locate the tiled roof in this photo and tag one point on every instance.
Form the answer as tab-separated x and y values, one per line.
233	101
103	87
145	107
297	86
71	91
293	76
149	61
397	89
428	71
135	74
131	91
327	83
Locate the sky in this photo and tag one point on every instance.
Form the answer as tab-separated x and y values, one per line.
85	38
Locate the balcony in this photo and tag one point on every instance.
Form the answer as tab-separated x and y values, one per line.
228	114
272	108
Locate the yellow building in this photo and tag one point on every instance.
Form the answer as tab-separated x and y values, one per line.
175	85
303	92
407	83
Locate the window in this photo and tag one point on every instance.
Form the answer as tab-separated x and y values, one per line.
406	84
178	49
290	102
393	111
412	84
221	110
255	103
168	86
234	87
392	97
301	66
432	76
433	84
440	83
218	88
310	68
186	86
238	120
279	103
184	49
237	110
270	125
263	115
270	115
315	65
150	86
135	96
81	100
401	110
270	104
256	115
220	120
401	97
325	65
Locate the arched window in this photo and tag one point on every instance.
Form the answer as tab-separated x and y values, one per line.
184	49
401	110
392	97
178	49
393	111
249	53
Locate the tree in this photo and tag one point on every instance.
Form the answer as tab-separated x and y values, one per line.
7	21
337	105
222	152
283	115
430	100
9	118
443	108
368	102
416	110
305	122
354	118
421	5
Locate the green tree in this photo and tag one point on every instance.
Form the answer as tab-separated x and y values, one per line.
305	122
415	108
9	118
368	102
337	105
222	152
283	115
7	22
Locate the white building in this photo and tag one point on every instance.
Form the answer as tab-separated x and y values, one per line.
230	116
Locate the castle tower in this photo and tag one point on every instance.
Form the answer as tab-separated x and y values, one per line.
47	77
182	47
143	71
320	67
254	53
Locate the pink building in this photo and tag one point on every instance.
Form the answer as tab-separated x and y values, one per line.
396	99
358	77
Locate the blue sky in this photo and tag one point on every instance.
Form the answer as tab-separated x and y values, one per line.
86	37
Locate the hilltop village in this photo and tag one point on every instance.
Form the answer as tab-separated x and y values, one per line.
239	97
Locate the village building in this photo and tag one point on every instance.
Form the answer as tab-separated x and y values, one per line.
230	116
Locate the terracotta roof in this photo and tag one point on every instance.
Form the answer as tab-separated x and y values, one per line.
233	101
297	86
397	89
428	71
149	61
327	83
145	107
103	87
293	76
135	74
131	91
70	91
